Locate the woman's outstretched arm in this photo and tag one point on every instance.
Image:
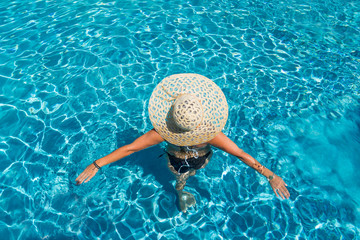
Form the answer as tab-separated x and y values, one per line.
222	142
149	139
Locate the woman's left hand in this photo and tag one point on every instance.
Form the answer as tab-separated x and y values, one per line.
279	187
87	174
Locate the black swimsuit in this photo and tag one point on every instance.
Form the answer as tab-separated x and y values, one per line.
183	165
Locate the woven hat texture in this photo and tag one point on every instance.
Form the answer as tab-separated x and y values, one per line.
188	109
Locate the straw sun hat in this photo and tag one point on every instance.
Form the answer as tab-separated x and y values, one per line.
188	109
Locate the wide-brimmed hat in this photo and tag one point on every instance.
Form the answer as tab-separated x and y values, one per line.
188	109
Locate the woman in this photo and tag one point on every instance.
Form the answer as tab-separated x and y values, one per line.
188	111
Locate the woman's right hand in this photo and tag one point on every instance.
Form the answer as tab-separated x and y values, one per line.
89	172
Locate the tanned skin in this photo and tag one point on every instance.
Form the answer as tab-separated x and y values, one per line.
221	141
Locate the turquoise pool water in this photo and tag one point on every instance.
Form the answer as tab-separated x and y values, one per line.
75	79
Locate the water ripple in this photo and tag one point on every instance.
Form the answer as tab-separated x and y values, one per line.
75	78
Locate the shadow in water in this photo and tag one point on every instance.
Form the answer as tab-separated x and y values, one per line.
153	162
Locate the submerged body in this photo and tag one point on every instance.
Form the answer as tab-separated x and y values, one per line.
183	162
